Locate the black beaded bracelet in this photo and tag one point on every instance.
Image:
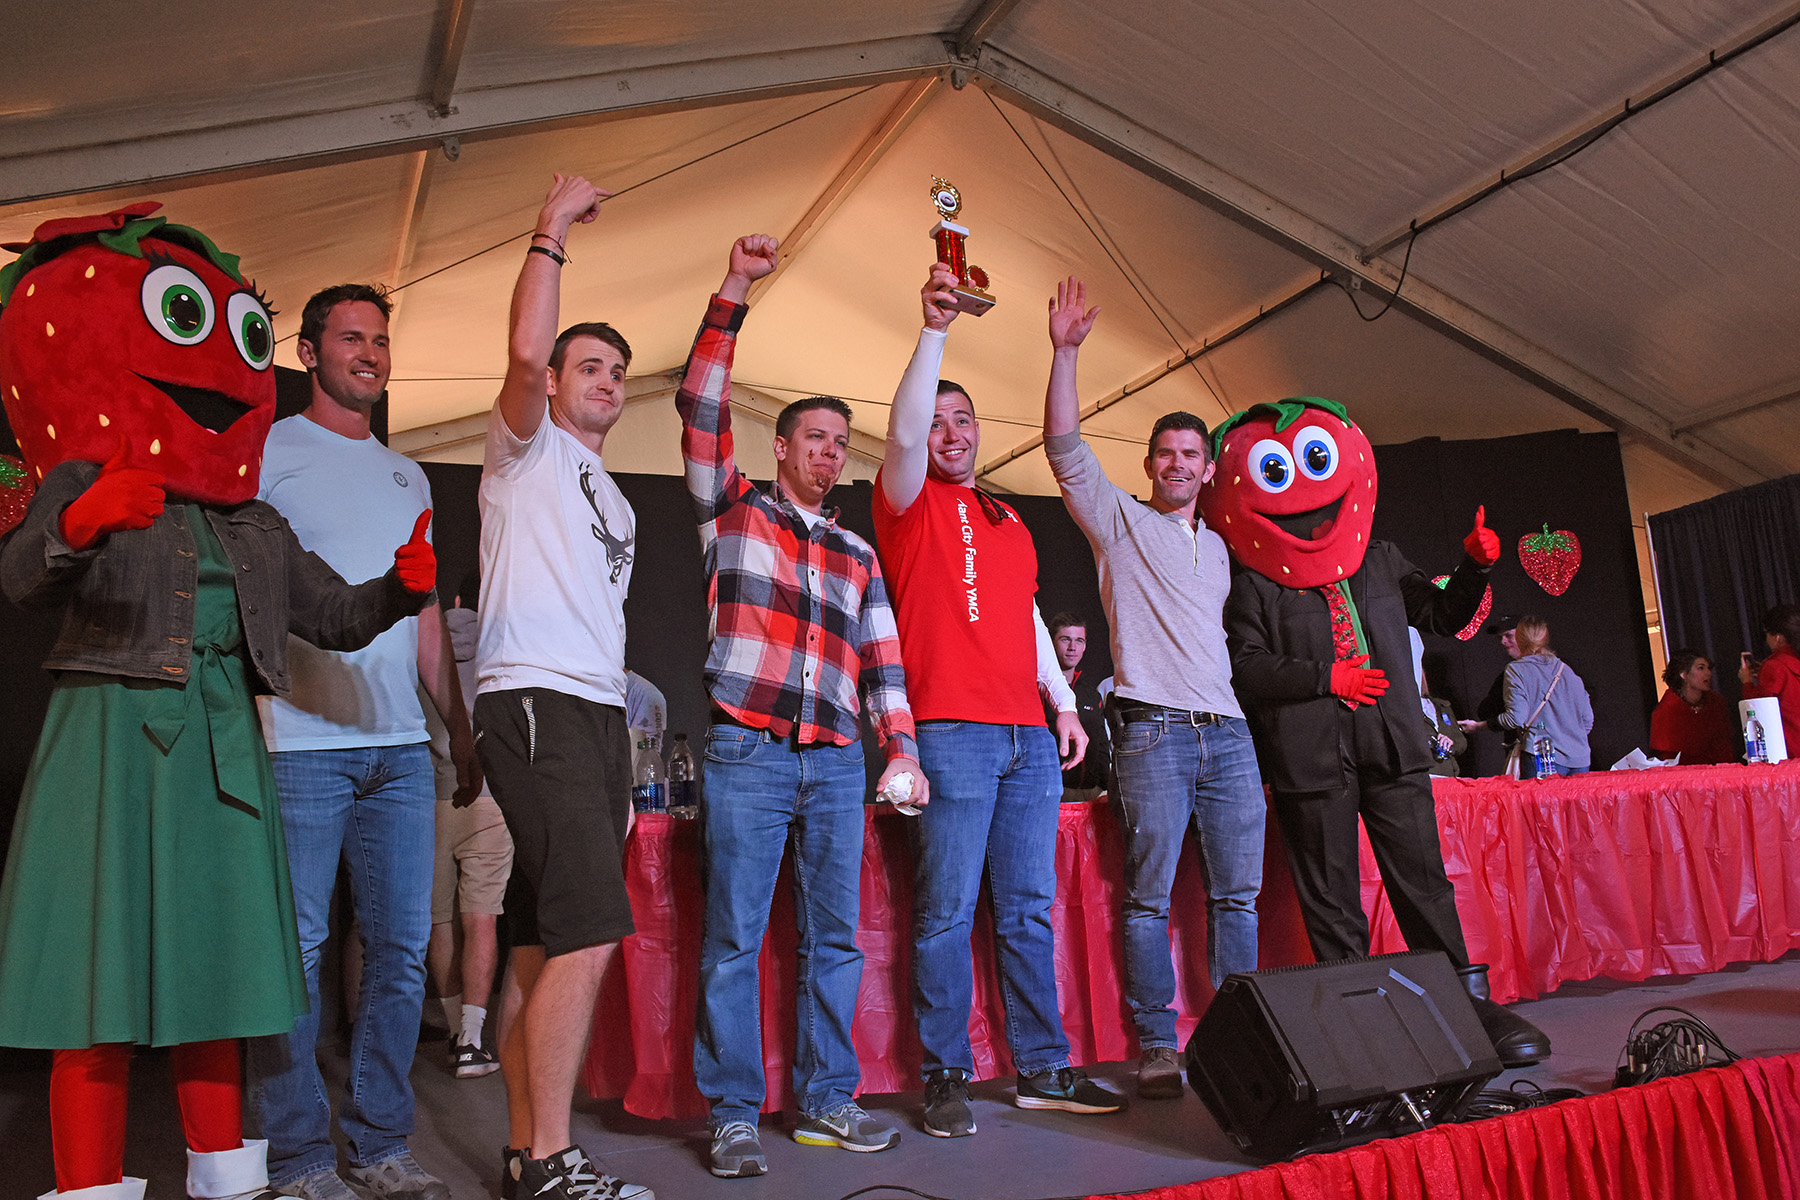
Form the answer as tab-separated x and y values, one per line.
550	254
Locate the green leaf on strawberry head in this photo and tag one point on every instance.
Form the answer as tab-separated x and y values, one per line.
12	472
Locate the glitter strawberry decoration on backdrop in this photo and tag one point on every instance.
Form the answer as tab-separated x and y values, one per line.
16	490
1551	558
1481	614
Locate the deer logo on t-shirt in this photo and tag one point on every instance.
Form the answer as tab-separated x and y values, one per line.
618	549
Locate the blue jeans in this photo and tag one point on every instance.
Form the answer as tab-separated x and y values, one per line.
375	808
995	794
757	790
1169	774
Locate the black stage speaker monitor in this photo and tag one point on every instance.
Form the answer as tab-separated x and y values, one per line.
1295	1060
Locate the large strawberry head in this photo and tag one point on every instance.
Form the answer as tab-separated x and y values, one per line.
123	330
1293	494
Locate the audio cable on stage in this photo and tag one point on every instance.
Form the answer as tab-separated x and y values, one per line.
1673	1047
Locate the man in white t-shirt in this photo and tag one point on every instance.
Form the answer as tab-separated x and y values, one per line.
353	770
557	542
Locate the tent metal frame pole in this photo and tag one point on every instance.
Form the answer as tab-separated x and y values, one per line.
1174	165
1588	132
1662	608
912	102
128	156
1163	371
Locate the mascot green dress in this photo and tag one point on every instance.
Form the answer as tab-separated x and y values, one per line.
146	898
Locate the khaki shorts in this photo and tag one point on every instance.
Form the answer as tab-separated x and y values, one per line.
474	860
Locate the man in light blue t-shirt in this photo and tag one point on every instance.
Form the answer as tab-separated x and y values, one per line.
354	772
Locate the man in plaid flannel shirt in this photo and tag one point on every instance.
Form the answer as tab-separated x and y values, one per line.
800	619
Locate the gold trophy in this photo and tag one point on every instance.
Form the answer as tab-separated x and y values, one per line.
970	293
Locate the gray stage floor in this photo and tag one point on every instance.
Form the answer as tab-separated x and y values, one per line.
1017	1155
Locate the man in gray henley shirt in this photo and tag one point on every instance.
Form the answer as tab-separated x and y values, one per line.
1185	751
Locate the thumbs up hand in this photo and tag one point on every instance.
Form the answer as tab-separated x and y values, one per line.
415	563
1482	544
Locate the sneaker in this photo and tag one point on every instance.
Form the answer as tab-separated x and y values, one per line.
1159	1074
1069	1090
400	1178
847	1126
737	1152
511	1162
323	1184
947	1112
472	1061
571	1175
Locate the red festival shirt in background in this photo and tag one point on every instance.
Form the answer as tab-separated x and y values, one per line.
1780	677
1706	736
963	572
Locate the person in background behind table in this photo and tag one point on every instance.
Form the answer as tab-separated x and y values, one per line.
1184	755
1692	720
964	571
468	881
1779	675
1090	777
1544	695
1443	731
557	544
800	622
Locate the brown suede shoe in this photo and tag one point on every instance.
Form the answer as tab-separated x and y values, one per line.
1159	1073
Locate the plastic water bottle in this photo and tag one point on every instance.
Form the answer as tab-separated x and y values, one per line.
649	794
1543	753
684	788
1756	746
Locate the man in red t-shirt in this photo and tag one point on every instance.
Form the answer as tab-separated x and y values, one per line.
963	573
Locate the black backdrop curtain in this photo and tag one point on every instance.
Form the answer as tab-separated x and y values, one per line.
1429	491
1721	564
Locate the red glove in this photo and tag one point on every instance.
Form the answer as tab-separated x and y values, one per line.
1356	684
414	562
1482	544
121	497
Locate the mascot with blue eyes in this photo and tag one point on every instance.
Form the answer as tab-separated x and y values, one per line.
1316	624
146	899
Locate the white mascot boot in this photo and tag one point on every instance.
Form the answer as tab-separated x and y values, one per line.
241	1174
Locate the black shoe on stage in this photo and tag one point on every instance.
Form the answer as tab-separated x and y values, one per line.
1517	1042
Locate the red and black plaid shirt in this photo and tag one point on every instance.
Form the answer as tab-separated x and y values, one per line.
800	613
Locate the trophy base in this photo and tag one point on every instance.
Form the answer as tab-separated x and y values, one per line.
970	299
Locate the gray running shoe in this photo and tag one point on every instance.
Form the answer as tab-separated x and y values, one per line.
847	1126
737	1151
400	1178
324	1184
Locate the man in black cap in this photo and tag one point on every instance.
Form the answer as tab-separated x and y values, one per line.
1487	713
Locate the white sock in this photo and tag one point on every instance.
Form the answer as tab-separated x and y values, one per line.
472	1020
453	1011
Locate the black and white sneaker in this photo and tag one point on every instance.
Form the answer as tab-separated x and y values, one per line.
472	1061
1068	1090
571	1175
947	1112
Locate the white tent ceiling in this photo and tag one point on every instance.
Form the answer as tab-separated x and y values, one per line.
1196	163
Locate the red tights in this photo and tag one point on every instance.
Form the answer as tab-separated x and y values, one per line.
87	1107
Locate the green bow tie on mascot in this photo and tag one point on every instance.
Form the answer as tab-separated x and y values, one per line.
1316	625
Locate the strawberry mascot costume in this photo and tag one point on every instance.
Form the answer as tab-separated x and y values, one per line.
146	897
1316	624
